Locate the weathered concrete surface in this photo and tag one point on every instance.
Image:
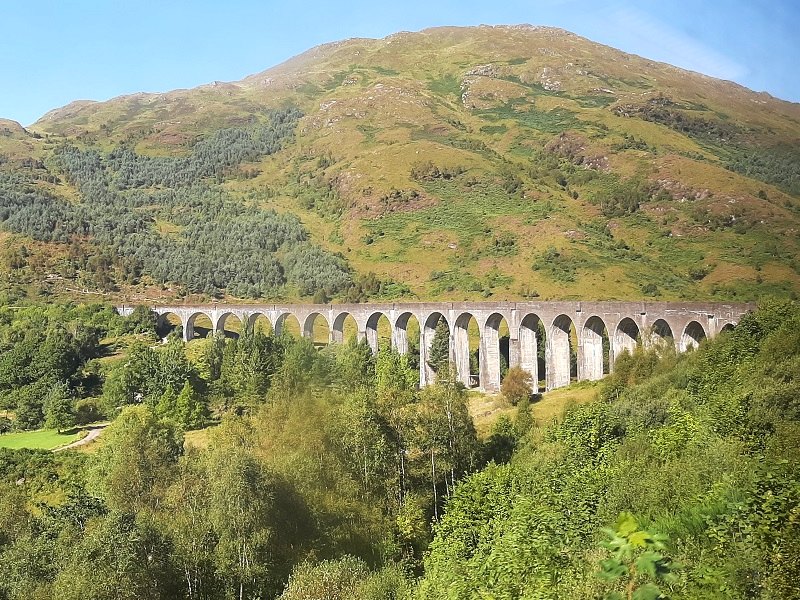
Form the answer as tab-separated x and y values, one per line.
623	324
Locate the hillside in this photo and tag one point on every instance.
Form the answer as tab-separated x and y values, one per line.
453	163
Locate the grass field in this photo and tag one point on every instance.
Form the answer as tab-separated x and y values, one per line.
41	439
485	409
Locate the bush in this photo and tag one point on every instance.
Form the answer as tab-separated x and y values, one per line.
517	385
87	411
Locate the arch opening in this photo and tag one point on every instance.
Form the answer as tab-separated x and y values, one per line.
198	325
532	345
259	323
661	330
316	329
169	323
626	337
287	324
345	328
436	348
494	358
595	350
728	327
562	363
693	334
229	325
466	350
405	338
379	332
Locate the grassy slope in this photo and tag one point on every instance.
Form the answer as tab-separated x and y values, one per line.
486	409
476	99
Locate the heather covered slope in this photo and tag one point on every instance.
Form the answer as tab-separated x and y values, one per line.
461	163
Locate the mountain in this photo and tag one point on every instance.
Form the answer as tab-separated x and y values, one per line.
455	163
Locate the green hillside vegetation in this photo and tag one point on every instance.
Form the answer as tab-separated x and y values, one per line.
451	163
330	475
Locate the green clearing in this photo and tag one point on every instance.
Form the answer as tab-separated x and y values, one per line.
41	439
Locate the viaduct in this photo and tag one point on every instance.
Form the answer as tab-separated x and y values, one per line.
617	325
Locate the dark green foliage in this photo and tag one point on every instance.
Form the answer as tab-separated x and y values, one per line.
141	320
58	408
186	408
43	365
219	243
502	441
561	267
679	117
778	165
427	171
446	85
620	197
439	351
146	375
556	120
240	370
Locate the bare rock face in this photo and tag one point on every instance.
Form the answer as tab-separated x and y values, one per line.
484	71
548	80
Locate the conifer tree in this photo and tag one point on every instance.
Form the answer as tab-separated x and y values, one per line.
439	352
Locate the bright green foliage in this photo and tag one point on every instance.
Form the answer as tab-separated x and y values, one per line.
240	505
137	460
240	371
346	578
190	411
302	368
443	430
637	560
116	559
166	404
328	580
186	408
145	375
394	376
355	365
365	439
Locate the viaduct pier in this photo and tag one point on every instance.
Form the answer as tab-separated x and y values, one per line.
595	332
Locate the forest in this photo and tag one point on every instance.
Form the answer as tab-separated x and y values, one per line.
327	473
168	217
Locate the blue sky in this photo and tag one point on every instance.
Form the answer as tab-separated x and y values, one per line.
56	51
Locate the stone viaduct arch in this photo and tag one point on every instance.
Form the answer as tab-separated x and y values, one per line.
531	326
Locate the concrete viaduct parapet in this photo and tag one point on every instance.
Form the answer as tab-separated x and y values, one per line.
623	323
